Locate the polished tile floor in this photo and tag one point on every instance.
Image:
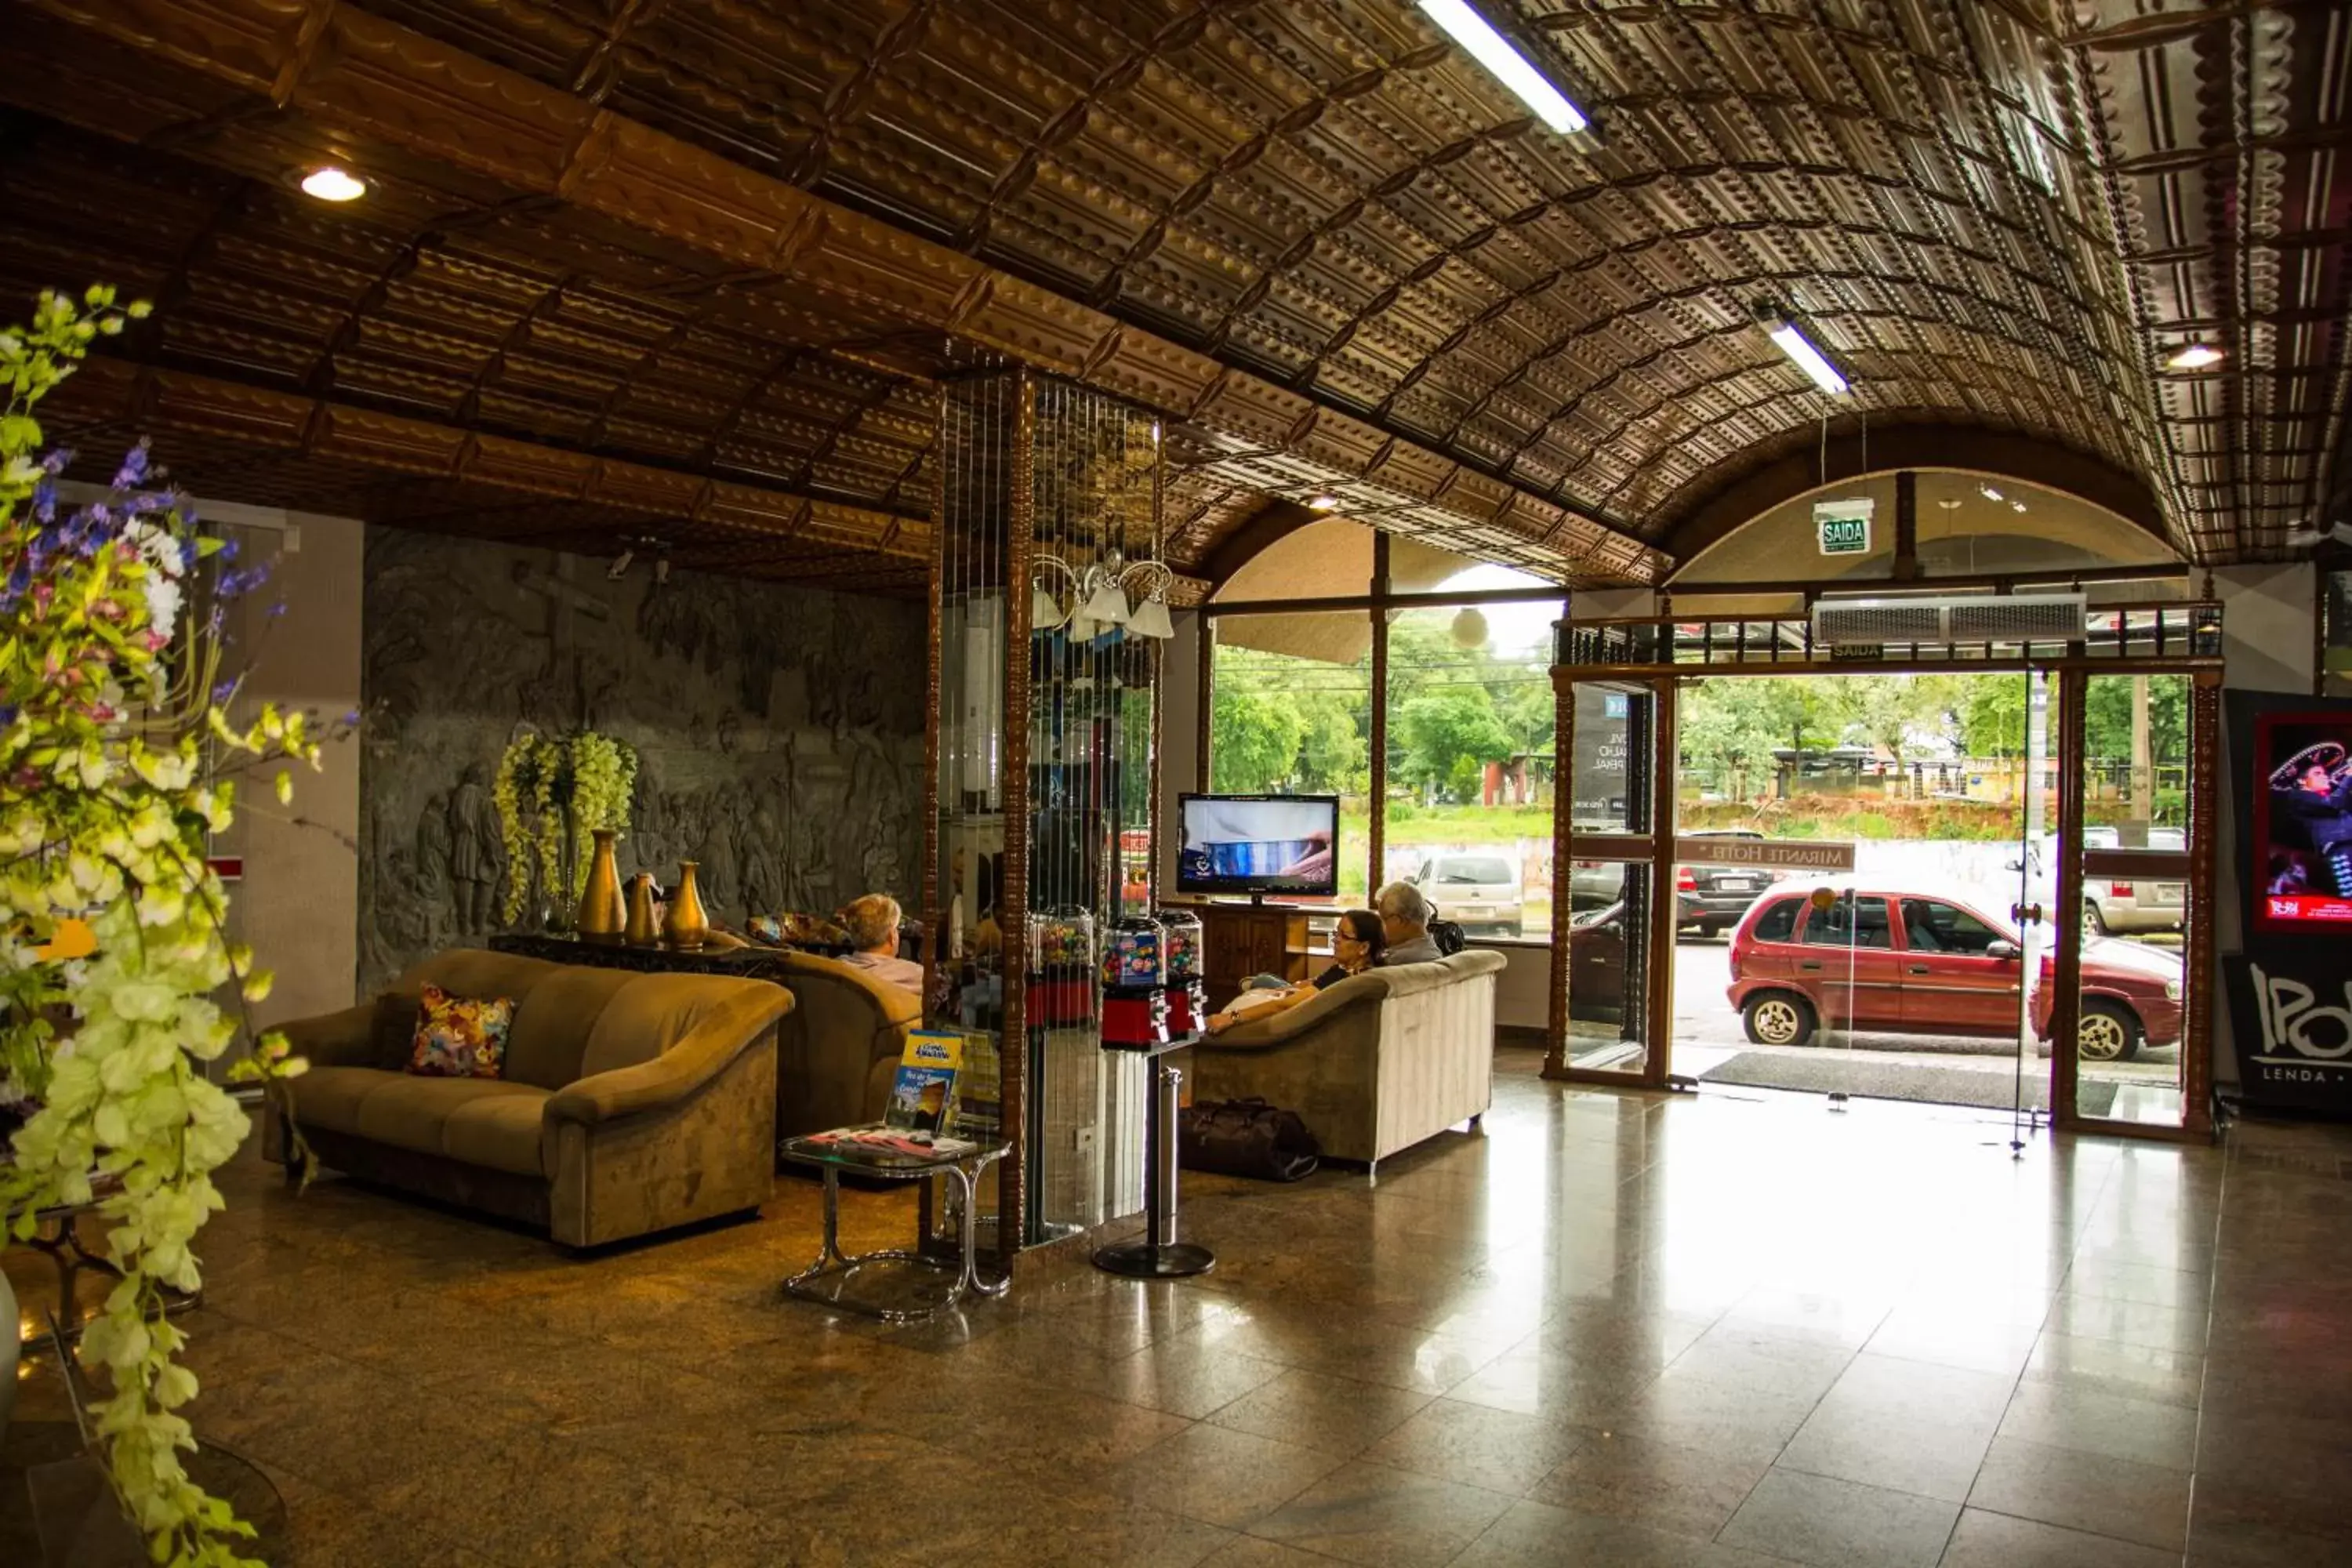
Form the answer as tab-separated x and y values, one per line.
1724	1331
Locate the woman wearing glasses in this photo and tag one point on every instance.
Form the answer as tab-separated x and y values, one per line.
1356	946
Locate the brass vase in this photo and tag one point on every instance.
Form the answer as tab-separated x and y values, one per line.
688	925
643	930
601	912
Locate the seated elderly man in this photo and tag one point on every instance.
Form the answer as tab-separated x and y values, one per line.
872	923
1405	914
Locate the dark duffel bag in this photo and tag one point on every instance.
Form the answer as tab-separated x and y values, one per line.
1245	1138
1448	937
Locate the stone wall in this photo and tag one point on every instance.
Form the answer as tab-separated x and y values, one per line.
779	730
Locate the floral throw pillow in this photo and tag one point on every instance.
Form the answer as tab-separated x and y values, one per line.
460	1036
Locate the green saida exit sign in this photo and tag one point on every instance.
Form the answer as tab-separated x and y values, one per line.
1844	526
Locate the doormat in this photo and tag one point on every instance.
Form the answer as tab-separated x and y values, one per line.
1985	1089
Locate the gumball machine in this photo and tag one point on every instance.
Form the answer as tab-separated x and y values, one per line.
1188	993
1134	983
1061	967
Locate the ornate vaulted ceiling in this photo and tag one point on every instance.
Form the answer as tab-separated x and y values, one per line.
693	265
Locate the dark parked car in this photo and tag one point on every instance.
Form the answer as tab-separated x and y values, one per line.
1890	961
1707	899
1711	899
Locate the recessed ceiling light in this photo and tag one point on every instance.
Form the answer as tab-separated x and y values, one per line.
1989	493
1503	60
1323	503
332	184
2018	504
2193	356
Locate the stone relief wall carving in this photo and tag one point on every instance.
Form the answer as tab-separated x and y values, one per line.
779	730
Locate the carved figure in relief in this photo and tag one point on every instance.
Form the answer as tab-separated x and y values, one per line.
433	893
716	852
477	853
762	856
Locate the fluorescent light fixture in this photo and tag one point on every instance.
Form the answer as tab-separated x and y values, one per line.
1809	360
1989	493
2193	356
332	184
1503	60
2018	504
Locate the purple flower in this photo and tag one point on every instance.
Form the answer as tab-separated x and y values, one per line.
223	691
45	499
58	460
134	471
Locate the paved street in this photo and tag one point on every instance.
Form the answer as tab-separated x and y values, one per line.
1707	1030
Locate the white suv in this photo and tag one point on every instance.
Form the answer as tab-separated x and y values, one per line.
2112	907
1477	889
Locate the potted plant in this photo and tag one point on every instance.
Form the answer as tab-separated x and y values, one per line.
116	749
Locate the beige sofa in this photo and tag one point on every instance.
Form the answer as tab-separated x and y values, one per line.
630	1102
1375	1064
838	1049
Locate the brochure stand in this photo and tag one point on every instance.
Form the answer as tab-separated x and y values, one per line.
1159	1256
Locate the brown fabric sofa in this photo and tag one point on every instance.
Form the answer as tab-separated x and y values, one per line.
630	1102
838	1049
1375	1064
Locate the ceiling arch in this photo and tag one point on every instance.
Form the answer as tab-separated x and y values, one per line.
1326	192
1745	494
1995	216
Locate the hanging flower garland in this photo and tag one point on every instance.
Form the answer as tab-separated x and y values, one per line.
546	786
115	748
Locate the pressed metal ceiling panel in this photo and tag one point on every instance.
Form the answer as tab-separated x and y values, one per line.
2000	216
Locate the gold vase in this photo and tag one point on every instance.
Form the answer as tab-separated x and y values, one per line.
688	925
601	914
643	930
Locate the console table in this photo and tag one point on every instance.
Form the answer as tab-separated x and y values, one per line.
743	962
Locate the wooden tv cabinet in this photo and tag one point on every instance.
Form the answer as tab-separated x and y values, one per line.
1241	939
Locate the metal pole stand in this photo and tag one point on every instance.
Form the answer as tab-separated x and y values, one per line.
1159	1256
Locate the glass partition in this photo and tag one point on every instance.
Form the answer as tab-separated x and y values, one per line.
2130	1052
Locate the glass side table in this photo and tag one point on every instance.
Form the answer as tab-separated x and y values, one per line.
826	1281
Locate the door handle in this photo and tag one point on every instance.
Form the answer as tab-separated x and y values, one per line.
1809	968
1921	969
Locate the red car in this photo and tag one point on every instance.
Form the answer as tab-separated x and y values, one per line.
1914	964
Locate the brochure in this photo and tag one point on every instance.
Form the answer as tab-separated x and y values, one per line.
922	1098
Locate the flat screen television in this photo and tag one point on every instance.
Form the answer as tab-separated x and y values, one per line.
2303	821
1258	844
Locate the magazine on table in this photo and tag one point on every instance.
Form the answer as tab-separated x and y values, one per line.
923	1096
880	1138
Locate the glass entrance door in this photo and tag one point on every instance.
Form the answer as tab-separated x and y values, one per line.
2038	865
1612	966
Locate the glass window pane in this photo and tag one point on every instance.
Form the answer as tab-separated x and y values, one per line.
1608	985
1470	764
1290	713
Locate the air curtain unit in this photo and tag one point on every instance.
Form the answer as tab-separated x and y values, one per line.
1968	619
